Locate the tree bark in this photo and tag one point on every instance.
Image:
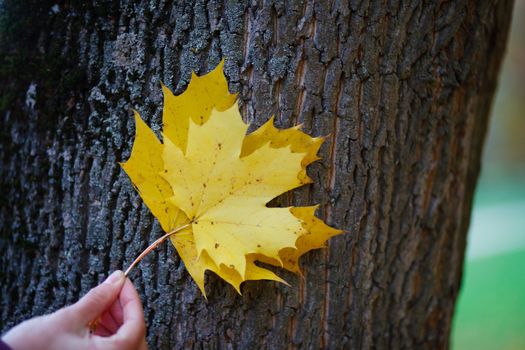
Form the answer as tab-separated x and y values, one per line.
402	89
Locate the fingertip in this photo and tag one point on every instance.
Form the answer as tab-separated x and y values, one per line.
128	293
117	277
132	331
132	311
100	298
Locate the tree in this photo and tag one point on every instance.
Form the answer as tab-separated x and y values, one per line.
402	89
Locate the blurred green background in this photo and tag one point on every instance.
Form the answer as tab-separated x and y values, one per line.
490	313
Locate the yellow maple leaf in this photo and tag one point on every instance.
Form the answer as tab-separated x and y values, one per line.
208	184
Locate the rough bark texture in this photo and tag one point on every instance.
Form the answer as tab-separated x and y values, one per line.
401	88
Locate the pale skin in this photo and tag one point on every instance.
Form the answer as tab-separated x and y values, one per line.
115	305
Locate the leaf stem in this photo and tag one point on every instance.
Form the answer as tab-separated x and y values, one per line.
154	245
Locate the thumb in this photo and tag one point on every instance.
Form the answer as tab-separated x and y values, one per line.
98	299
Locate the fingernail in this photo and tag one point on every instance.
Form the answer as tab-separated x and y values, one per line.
115	277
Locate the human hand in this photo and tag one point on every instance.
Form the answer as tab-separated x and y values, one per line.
114	303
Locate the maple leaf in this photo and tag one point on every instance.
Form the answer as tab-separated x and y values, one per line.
208	184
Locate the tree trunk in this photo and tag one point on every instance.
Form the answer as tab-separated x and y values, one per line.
402	89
